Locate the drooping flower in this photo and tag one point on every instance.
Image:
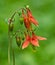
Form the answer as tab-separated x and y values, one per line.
34	37
33	40
31	18
26	21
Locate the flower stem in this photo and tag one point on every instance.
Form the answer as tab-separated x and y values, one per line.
9	54
9	46
9	50
13	56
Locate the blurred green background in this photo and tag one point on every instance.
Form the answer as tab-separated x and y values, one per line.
44	12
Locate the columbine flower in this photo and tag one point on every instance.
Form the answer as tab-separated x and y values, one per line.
33	40
26	21
31	18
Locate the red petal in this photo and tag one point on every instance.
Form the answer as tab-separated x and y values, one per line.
25	44
33	21
41	38
35	42
29	14
38	37
27	23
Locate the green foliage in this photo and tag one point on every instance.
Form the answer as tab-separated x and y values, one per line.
44	12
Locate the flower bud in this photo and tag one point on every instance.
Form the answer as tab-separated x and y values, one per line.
11	26
21	20
19	13
23	38
18	41
27	6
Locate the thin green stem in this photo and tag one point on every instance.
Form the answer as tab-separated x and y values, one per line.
9	54
9	46
13	56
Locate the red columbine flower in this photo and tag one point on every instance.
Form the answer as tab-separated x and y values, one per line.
33	40
31	18
26	20
36	38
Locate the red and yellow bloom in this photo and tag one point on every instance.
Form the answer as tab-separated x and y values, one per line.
33	40
31	18
28	19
